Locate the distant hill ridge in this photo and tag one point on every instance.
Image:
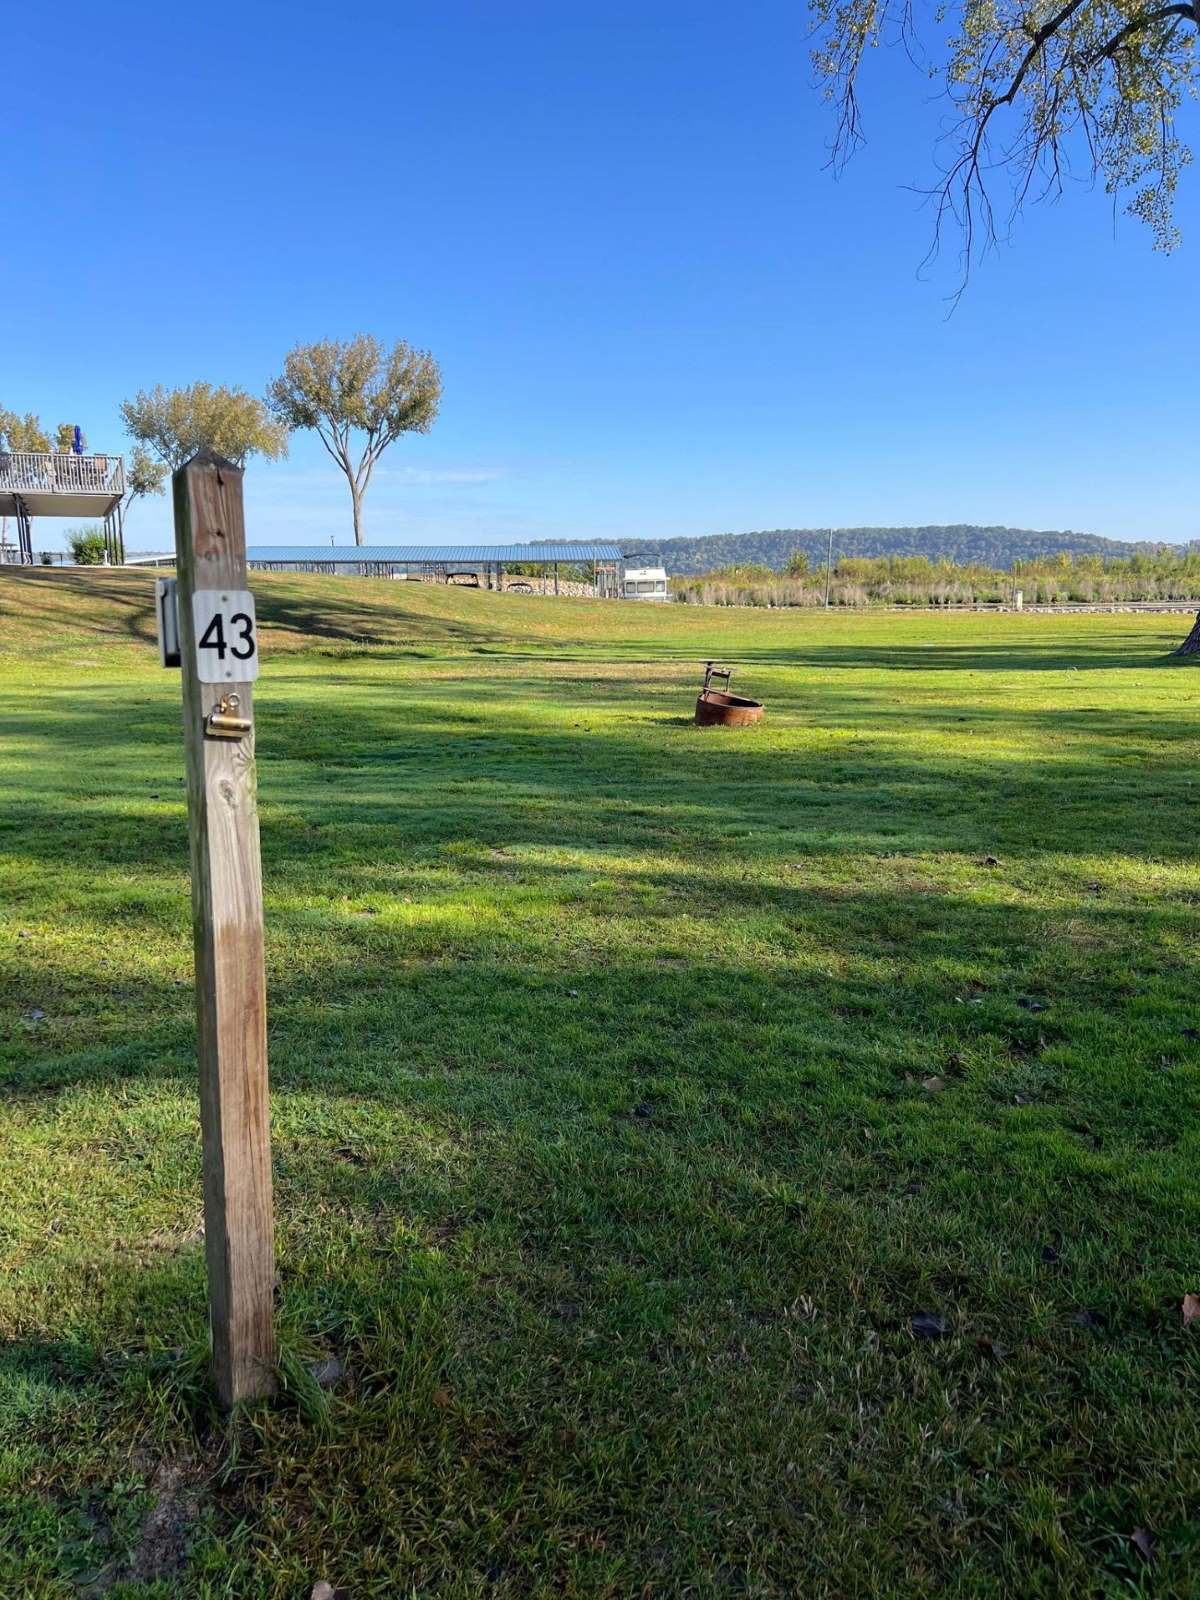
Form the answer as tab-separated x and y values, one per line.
962	542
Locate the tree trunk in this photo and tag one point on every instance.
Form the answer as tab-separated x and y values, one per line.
356	497
1191	645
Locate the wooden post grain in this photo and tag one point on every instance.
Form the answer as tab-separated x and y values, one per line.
210	545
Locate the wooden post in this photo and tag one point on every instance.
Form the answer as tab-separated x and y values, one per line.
210	547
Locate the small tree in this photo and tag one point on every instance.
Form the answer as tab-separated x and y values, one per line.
64	439
19	433
176	424
88	546
797	564
357	387
143	476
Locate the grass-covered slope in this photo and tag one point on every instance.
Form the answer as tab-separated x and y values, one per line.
634	1087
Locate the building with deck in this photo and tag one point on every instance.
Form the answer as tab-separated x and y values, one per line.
61	484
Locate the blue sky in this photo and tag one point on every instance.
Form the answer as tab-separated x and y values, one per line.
655	310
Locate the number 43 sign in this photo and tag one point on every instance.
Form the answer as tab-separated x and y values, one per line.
226	635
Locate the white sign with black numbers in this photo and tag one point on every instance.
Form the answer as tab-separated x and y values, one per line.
226	635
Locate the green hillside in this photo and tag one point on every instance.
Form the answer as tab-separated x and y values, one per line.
961	542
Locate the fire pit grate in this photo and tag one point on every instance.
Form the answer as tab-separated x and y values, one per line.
718	708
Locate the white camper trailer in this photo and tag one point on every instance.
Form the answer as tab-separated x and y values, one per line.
645	583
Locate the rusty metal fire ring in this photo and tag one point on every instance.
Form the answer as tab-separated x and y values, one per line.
715	709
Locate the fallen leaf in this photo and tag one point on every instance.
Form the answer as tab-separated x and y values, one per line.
1190	1308
1144	1542
643	1111
935	1085
1022	1098
1027	1004
328	1372
441	1398
35	1013
928	1325
322	1591
992	1348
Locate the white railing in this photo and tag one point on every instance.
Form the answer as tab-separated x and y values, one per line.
23	472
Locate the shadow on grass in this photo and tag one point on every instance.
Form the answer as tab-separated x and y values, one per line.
372	614
461	758
121	602
571	1250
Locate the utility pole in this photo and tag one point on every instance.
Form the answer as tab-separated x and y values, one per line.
829	569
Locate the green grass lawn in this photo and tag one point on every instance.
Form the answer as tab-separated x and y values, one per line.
634	1087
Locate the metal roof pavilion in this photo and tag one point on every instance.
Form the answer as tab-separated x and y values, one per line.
259	555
